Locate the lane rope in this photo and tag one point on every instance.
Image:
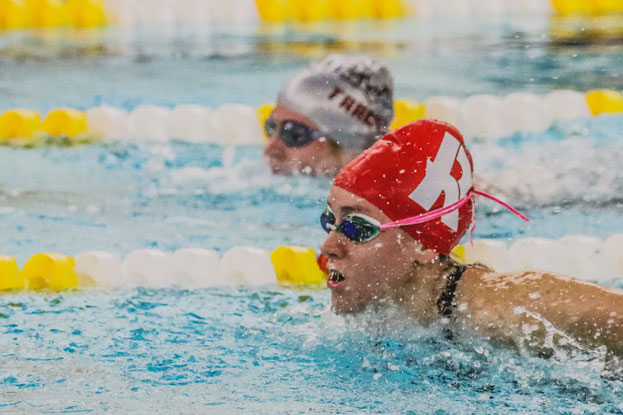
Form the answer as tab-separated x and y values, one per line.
581	256
483	116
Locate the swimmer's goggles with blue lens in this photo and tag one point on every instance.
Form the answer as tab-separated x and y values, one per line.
361	228
356	226
294	134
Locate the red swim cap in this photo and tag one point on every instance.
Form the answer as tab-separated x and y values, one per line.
420	167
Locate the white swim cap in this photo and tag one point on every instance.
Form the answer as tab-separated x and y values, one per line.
349	97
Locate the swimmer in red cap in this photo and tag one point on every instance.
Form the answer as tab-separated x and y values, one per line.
393	216
328	113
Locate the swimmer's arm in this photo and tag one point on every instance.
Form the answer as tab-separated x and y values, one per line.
512	309
590	313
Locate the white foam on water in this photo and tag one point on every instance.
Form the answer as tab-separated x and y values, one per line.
568	171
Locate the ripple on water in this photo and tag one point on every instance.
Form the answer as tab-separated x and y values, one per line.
267	349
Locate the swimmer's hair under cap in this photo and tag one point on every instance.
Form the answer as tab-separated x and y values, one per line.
349	97
418	168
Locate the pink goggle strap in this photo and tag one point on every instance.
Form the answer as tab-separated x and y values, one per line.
437	213
425	217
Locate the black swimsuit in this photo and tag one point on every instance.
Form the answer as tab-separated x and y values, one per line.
446	302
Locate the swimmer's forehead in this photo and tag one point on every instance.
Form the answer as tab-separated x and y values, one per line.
281	113
346	202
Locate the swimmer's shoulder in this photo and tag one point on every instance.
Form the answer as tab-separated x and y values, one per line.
539	291
482	290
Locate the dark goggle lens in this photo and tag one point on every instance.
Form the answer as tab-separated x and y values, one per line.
359	230
350	230
295	134
354	228
327	221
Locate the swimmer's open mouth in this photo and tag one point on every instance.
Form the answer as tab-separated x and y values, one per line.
335	278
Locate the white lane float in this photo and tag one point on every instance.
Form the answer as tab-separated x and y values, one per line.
193	123
565	104
233	11
121	12
155	13
525	112
529	7
532	254
108	122
482	117
196	268
247	265
464	9
612	253
485	8
444	108
489	252
148	123
578	255
237	124
148	268
103	268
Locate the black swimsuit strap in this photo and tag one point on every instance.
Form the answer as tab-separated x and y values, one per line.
446	303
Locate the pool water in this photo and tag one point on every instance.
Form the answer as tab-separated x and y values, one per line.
272	349
267	351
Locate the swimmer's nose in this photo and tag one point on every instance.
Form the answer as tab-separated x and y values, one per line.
274	148
333	247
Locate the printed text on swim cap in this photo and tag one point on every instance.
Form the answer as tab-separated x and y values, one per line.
358	110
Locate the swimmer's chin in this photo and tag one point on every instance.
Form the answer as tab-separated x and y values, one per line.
281	170
288	169
339	305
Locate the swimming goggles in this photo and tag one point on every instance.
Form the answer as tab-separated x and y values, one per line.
360	228
356	226
294	134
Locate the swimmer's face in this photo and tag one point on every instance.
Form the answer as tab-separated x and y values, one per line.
320	157
364	272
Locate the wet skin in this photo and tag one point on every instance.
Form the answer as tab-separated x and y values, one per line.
519	310
320	157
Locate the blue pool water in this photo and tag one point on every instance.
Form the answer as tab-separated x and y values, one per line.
266	351
270	349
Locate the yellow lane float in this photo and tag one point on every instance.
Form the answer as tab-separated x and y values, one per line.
51	270
45	13
353	9
19	123
296	265
263	113
67	122
604	101
12	14
84	13
318	10
10	277
274	10
607	6
312	10
458	254
406	111
390	9
567	7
